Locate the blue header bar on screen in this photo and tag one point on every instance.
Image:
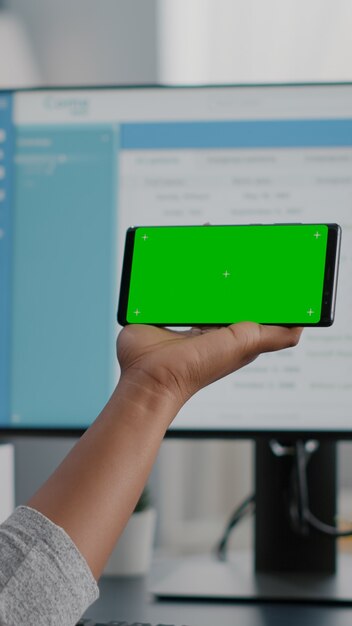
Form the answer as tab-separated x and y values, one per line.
6	164
238	134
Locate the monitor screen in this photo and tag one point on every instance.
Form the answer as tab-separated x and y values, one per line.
78	167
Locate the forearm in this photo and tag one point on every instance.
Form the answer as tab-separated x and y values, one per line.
95	489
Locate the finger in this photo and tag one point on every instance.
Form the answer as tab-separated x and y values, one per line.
224	350
253	337
262	338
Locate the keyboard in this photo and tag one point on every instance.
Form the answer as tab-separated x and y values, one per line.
90	622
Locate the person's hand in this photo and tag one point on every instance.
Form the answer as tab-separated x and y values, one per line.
178	364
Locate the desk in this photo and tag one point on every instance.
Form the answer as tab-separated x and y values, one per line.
128	599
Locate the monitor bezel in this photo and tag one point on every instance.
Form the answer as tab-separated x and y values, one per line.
11	431
284	436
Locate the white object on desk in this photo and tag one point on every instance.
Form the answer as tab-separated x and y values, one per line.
133	553
7	480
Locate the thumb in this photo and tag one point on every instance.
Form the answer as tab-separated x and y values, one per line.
224	350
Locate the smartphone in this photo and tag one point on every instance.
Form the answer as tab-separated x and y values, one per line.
283	274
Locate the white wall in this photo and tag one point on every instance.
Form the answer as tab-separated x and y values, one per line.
91	41
241	41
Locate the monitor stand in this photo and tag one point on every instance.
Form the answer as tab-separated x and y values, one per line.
286	566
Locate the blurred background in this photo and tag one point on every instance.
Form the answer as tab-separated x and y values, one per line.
89	42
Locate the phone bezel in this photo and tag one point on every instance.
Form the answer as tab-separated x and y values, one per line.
330	275
329	285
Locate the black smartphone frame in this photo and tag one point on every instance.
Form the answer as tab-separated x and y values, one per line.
329	286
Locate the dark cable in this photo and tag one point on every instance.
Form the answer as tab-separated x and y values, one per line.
301	488
321	527
247	507
301	516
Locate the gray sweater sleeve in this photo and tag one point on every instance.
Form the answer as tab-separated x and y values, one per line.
44	579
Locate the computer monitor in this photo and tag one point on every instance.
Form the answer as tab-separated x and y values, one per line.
79	166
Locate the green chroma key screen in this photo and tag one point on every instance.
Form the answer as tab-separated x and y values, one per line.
225	274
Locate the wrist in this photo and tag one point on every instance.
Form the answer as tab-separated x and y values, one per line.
145	396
